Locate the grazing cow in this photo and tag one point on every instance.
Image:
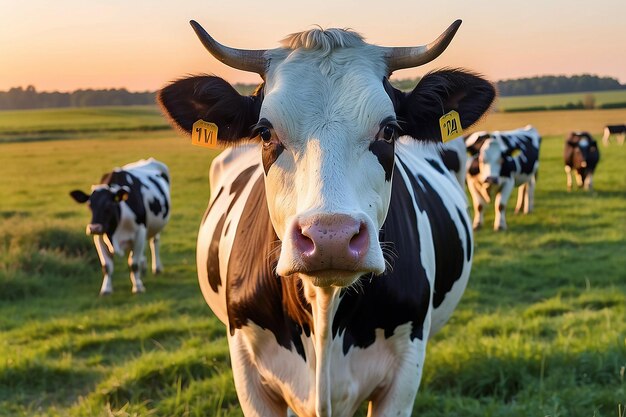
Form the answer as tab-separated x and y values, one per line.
454	155
129	206
618	130
499	162
330	276
581	154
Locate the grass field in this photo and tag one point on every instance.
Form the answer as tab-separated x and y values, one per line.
541	330
48	124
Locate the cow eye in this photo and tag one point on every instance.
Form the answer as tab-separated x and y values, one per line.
388	133
265	134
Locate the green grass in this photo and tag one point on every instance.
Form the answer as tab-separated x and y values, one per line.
548	100
541	330
64	123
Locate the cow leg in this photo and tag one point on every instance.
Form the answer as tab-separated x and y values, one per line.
477	201
579	179
522	192
605	138
254	397
568	175
398	399
621	139
529	196
106	261
500	205
155	246
134	260
589	181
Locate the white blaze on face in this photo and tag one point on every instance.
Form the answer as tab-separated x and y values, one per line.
490	160
326	111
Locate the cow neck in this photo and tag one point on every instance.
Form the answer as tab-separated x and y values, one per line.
324	302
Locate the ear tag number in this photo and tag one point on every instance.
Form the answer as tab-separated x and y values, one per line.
450	124
205	134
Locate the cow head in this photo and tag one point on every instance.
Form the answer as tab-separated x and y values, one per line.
326	118
582	145
490	158
104	203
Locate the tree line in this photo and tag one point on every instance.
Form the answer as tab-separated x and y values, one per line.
551	84
30	98
18	98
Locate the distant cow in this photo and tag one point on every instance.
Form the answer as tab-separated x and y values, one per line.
499	162
454	156
129	206
581	154
618	130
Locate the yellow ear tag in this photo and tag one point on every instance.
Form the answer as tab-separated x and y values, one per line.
450	124
516	152
205	134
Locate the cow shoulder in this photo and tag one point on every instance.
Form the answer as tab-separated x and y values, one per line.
451	234
402	294
135	201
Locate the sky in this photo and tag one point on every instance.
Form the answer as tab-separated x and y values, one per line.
141	45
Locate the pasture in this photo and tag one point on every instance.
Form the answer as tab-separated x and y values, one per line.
541	330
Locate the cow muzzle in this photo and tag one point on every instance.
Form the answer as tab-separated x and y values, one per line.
491	180
94	229
330	249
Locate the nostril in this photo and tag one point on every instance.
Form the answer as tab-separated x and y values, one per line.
303	243
359	242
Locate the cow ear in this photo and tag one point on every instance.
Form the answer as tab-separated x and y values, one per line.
79	196
438	93
213	100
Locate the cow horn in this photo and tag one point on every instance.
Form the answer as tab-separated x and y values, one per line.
414	56
243	59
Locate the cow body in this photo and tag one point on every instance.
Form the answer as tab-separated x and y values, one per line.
129	206
581	156
454	156
501	161
377	329
337	242
614	130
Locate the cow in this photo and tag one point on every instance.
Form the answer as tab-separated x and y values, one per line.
499	162
581	154
618	130
454	156
329	276
128	206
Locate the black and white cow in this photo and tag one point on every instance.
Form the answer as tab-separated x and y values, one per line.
618	130
330	276
499	162
581	154
129	206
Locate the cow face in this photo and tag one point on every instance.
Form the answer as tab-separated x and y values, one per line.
104	203
326	119
490	162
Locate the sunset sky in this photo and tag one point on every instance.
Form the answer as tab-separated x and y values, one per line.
142	44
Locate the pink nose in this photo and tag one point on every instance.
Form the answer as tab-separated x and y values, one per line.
331	241
94	229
